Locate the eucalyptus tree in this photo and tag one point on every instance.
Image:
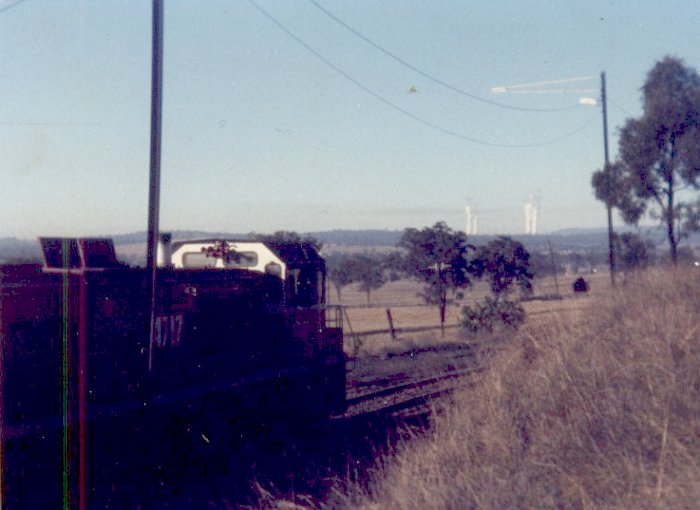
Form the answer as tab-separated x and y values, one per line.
437	257
505	263
660	153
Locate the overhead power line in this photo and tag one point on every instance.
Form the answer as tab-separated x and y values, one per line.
4	8
23	123
616	105
429	76
552	91
406	112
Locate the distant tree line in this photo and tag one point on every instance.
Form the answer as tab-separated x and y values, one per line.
444	263
369	271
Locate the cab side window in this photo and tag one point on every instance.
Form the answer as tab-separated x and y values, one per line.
303	287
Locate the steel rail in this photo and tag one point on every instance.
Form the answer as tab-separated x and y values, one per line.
411	400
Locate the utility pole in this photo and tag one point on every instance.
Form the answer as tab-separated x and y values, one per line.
154	181
611	238
548	87
554	266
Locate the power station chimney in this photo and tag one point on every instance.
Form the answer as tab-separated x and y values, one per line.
531	216
470	224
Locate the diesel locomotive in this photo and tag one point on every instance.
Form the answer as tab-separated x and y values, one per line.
88	380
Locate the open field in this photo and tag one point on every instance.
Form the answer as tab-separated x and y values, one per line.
408	310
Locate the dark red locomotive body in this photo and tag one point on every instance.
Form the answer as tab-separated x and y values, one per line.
83	380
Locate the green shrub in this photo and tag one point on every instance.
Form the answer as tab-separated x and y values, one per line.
491	314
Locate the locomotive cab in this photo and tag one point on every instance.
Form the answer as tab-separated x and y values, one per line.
298	265
314	329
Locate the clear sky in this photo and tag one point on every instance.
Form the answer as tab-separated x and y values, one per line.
314	115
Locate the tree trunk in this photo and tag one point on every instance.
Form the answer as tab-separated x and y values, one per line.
337	291
443	305
670	217
673	243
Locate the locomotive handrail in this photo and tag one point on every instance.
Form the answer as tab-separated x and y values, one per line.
334	316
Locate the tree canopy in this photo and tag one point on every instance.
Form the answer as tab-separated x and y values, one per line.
505	262
614	187
635	252
285	236
660	154
436	256
368	272
340	272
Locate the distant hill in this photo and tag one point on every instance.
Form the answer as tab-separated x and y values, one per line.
367	238
140	237
131	247
18	250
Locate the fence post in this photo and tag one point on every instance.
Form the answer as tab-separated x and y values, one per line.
357	342
391	324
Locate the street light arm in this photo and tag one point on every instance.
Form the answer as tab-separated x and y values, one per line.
536	87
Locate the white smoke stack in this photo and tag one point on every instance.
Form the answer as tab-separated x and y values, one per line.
531	216
470	224
528	214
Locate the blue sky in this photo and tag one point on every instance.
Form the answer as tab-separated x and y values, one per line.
276	116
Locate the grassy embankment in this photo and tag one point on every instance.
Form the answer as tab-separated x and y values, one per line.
600	413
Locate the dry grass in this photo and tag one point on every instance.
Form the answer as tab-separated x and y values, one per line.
597	413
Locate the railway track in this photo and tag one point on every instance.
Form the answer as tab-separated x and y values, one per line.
410	398
415	396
